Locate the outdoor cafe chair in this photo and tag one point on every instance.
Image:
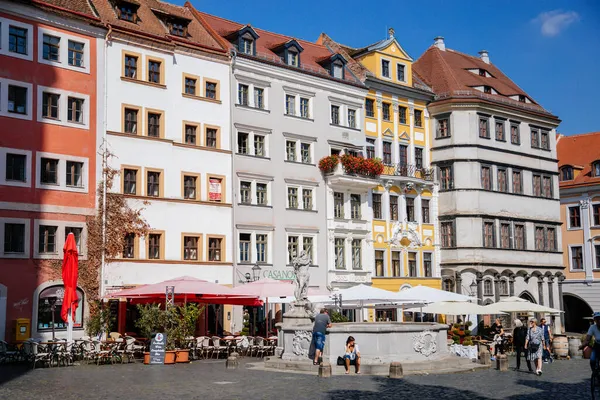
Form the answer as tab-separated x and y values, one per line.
260	346
7	353
36	353
207	348
241	345
101	354
127	350
218	348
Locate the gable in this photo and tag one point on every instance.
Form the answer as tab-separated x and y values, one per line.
404	136
394	50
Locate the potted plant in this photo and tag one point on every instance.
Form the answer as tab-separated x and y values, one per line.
182	321
100	320
327	164
151	320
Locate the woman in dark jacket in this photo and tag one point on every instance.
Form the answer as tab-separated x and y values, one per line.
519	337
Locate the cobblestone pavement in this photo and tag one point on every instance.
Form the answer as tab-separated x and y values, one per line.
210	380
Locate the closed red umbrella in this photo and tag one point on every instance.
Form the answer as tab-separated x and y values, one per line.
70	272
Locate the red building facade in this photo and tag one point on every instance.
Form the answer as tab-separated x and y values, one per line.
51	70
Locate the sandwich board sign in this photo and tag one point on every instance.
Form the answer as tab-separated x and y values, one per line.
157	349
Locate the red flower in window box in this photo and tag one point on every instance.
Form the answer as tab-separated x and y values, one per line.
370	167
328	164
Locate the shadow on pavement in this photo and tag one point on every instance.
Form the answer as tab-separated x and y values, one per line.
12	371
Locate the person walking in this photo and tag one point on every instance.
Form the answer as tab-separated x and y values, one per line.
519	338
322	322
547	357
534	343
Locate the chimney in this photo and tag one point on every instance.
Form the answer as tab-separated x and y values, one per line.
439	43
391	33
485	57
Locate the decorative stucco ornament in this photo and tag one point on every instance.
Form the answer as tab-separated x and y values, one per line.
301	343
425	343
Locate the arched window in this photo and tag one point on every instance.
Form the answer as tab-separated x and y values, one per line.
55	294
596	168
566	173
503	289
488	288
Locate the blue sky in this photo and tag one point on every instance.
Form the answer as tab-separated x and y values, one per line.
549	48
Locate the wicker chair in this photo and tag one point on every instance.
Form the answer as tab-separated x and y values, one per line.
218	348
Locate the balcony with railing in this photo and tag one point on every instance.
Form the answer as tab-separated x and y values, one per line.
351	171
411	171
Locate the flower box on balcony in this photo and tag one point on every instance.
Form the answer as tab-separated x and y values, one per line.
327	164
368	167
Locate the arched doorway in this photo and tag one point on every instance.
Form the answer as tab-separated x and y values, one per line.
3	300
576	310
527	296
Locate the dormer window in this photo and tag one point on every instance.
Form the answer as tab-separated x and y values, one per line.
566	173
596	169
338	71
127	11
522	98
247	46
245	40
292	59
178	28
487	89
481	72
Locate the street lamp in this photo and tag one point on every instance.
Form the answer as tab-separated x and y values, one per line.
473	287
248	277
256	272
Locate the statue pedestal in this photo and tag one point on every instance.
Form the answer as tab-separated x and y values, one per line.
295	333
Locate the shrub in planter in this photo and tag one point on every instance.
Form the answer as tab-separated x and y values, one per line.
337	317
328	164
469	323
100	319
456	339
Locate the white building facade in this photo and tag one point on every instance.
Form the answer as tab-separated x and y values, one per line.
167	132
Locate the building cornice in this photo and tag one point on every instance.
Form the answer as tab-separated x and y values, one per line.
374	83
491	148
455	215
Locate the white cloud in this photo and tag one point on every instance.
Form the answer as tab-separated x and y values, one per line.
554	22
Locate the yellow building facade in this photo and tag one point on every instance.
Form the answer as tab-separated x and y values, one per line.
405	203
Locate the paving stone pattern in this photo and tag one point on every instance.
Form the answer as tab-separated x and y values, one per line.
210	380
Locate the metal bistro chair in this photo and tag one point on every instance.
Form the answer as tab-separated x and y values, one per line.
260	346
35	353
7	353
242	345
207	347
218	348
101	354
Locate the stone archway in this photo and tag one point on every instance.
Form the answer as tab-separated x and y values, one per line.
527	296
3	301
576	310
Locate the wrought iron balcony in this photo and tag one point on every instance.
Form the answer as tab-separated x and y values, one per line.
409	171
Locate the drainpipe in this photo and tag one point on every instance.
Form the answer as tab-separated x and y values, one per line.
233	55
104	162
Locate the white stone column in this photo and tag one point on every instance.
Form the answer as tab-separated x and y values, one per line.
588	250
433	215
379	144
411	122
418	216
385	206
426	155
395	149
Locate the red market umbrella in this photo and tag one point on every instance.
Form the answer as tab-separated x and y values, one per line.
70	271
186	288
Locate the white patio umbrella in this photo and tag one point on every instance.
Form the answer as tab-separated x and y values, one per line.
455	308
426	294
516	304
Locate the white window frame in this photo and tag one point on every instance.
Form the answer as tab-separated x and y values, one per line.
4	83
344	105
27	241
299	143
297	94
60	237
252	84
581	213
390	63
301	236
253	181
385	263
63	52
582	257
251	133
62	171
405	72
63	105
4	38
28	165
362	252
596	266
300	185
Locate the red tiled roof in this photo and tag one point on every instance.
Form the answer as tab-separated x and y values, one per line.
447	73
67	8
579	151
310	57
150	23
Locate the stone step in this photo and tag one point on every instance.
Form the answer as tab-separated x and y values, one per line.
446	365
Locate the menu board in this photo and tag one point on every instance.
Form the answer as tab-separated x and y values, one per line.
157	349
